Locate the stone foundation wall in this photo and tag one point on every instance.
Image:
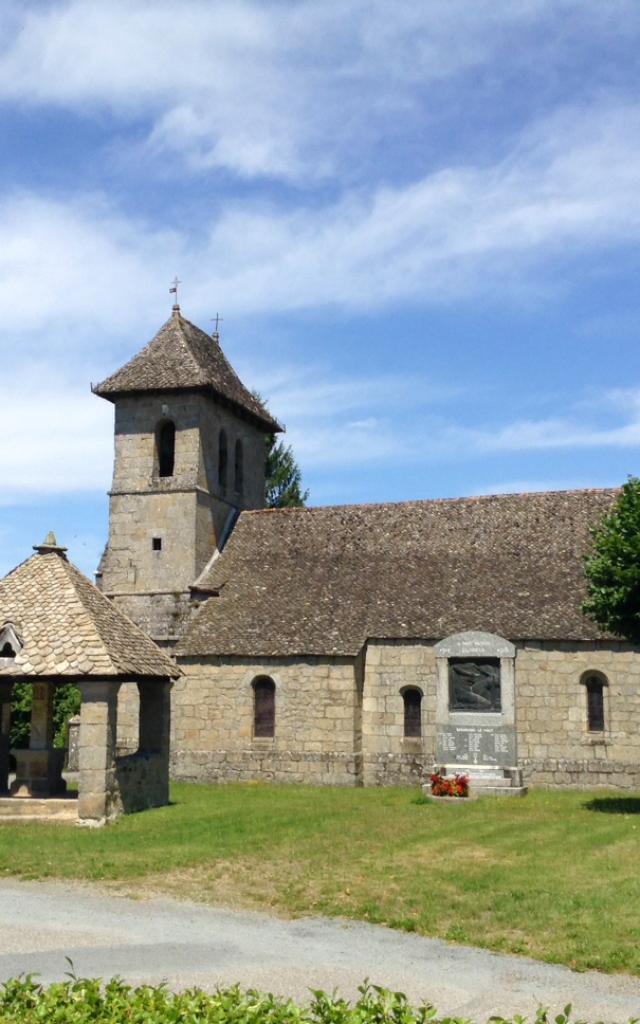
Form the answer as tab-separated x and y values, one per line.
316	721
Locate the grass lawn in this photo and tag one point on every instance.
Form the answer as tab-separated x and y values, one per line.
555	875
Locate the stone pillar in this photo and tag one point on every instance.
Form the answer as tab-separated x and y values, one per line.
6	690
155	735
39	769
98	794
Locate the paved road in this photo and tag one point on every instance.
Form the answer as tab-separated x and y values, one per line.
187	944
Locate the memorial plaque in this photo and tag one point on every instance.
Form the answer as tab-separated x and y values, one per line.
477	744
474	685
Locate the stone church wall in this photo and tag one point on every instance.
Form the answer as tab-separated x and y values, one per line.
554	745
317	712
341	721
390	758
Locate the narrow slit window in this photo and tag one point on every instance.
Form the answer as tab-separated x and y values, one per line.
222	460
239	468
412	699
166	440
594	686
264	707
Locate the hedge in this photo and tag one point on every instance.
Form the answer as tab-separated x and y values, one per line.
88	1001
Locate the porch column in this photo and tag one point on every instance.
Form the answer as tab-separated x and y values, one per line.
154	735
6	691
98	795
39	769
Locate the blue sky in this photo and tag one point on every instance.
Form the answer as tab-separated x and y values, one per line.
419	220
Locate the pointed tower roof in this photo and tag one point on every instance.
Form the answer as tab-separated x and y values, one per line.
182	356
67	628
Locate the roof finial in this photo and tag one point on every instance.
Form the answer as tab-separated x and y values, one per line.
174	291
217	319
50	546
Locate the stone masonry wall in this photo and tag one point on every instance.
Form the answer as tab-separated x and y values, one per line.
390	759
333	727
317	709
554	745
163	530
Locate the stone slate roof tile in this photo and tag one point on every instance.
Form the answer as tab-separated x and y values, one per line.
320	581
68	628
182	356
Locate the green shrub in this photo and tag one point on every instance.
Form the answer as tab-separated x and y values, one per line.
88	1001
66	704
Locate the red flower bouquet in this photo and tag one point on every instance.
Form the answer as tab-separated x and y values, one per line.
442	785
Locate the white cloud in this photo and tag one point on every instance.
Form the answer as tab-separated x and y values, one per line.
55	439
568	188
285	89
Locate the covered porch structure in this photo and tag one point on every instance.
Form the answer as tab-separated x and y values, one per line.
56	627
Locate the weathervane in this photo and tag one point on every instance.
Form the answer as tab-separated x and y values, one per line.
174	291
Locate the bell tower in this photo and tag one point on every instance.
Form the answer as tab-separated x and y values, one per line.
189	456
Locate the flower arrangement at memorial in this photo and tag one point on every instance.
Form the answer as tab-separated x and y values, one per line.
443	786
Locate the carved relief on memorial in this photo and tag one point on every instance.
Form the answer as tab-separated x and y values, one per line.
474	684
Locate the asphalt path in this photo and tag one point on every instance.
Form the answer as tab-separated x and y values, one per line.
152	940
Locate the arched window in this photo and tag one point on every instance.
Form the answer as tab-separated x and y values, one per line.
222	460
412	698
594	684
7	651
264	706
166	444
238	467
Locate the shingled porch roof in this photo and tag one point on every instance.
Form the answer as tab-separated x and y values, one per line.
68	629
320	581
182	356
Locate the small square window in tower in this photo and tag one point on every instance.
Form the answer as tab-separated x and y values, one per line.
156	543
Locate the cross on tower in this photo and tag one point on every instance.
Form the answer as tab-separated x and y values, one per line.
174	291
217	319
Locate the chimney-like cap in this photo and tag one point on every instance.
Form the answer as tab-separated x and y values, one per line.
50	546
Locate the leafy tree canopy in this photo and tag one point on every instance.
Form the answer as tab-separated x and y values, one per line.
612	567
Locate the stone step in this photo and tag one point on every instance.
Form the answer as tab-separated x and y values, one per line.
488	780
14	808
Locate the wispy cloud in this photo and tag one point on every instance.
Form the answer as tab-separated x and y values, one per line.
56	439
568	189
276	89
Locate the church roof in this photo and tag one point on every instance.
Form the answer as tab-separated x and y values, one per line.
182	356
67	628
321	581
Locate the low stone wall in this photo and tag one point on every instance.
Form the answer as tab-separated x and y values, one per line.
142	781
322	769
557	773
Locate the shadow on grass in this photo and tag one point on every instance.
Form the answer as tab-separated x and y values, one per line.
614	804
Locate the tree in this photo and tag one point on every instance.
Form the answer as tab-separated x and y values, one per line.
282	473
612	567
283	476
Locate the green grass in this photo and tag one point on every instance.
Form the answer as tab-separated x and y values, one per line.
555	875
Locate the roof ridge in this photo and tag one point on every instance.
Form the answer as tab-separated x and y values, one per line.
413	502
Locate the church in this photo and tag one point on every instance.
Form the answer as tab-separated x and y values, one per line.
358	644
